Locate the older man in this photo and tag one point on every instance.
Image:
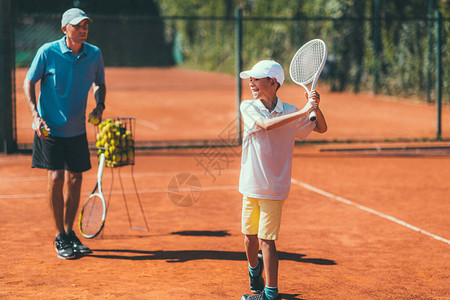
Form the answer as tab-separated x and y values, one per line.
66	68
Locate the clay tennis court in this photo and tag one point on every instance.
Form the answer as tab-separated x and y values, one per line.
359	224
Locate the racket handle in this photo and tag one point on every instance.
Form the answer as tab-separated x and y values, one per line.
312	116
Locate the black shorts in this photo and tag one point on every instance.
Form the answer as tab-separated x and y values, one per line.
58	153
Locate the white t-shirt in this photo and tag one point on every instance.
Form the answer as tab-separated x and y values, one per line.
266	162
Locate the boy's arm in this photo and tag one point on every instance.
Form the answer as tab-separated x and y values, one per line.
321	124
312	104
269	124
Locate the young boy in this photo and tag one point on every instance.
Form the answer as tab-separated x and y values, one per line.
270	128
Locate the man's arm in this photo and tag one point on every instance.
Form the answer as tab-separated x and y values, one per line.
100	96
29	88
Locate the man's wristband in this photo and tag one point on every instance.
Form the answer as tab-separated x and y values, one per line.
102	104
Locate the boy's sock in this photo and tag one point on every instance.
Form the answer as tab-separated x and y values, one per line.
256	271
271	293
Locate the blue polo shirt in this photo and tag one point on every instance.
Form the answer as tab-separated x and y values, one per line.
65	84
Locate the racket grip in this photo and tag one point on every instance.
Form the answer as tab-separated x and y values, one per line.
312	115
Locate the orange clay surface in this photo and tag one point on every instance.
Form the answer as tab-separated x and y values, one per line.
367	224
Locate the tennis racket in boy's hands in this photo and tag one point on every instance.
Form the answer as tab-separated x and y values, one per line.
93	214
307	64
313	99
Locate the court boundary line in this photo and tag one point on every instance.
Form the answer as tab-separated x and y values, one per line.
129	192
367	209
108	175
294	181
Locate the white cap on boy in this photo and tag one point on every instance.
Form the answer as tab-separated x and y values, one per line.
263	69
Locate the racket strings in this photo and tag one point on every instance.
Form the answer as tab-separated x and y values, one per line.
308	62
92	216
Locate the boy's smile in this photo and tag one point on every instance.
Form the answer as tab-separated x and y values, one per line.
261	88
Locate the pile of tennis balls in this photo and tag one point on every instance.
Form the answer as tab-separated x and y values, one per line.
116	142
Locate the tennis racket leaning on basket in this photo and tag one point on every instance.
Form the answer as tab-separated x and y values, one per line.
93	214
307	64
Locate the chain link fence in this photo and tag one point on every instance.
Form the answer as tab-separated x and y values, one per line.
404	57
387	56
125	41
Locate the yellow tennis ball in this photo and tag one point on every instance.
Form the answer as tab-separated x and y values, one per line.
93	120
44	131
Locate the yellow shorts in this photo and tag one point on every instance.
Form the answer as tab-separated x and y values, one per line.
261	217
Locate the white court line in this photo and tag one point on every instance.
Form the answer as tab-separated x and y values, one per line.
367	209
108	175
148	124
127	192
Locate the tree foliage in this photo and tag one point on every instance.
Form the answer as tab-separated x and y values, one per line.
393	44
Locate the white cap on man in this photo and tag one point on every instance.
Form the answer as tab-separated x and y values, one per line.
263	69
73	16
